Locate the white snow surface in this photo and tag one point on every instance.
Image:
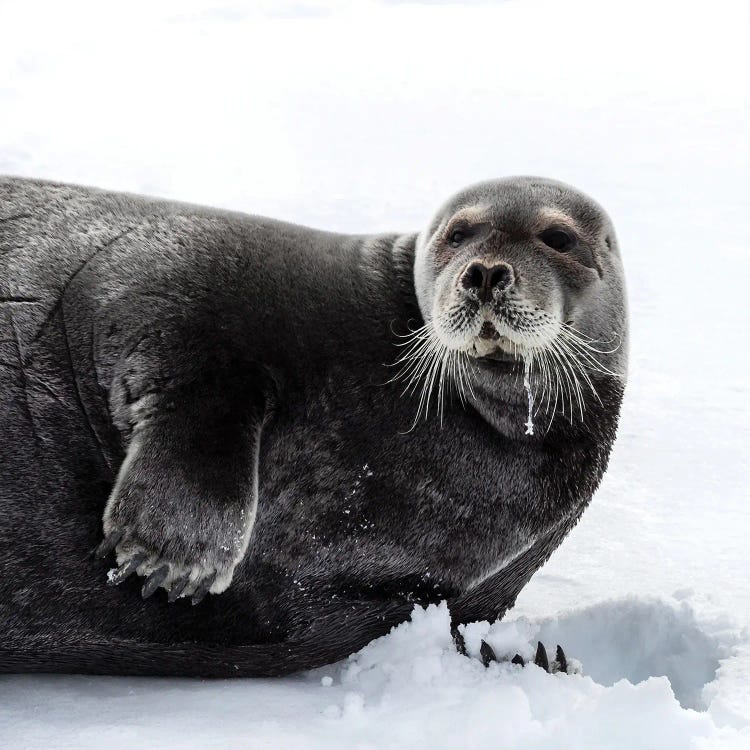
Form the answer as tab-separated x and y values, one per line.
365	116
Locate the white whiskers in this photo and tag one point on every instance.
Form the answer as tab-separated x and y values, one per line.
428	364
557	372
564	372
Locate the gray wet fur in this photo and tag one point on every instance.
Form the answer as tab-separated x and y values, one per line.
218	387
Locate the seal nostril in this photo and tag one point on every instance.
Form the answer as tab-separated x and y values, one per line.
484	280
498	277
474	277
477	277
501	277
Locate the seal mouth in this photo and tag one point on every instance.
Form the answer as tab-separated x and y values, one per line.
488	332
500	355
499	360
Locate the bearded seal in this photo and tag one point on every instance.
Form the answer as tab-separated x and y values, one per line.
321	430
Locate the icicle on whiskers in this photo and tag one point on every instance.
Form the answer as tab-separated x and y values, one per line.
527	386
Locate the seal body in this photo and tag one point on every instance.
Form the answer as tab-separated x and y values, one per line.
216	393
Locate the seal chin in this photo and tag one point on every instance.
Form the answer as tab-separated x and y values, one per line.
500	355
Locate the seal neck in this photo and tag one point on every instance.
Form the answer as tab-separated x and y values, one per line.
504	407
388	263
403	251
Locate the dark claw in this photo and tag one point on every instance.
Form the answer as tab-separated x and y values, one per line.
127	568
541	659
459	641
108	544
154	581
518	659
487	654
202	590
562	662
178	587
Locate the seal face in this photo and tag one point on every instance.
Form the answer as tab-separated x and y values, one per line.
212	398
525	271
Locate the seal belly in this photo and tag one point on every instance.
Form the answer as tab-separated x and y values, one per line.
366	503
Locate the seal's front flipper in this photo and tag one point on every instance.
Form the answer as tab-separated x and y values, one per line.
183	506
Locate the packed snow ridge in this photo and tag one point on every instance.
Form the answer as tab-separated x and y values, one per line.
649	681
647	670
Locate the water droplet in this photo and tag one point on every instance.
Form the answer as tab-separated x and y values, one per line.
530	396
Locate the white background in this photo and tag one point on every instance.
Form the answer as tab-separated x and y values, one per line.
365	116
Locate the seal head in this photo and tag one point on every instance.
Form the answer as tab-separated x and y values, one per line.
523	273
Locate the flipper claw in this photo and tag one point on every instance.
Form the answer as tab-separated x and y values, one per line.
178	587
108	544
562	662
127	568
202	590
154	581
458	641
541	659
487	653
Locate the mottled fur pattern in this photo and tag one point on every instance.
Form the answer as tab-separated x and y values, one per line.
219	389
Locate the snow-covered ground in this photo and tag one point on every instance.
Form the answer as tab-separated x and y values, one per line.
364	116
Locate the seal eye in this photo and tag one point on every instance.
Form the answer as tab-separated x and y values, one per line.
457	237
557	239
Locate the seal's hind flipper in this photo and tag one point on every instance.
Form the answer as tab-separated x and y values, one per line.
487	655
